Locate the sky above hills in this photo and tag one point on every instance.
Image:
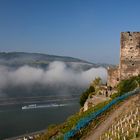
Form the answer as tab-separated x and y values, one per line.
86	29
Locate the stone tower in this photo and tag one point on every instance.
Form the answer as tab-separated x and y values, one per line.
130	54
129	59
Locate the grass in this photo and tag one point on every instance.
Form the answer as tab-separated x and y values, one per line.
57	131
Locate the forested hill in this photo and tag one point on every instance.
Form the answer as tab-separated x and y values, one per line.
21	58
38	59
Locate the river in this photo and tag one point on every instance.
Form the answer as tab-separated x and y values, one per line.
14	121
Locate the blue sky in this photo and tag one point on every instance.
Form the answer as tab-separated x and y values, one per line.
86	29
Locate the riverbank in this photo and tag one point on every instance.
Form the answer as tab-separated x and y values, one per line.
29	135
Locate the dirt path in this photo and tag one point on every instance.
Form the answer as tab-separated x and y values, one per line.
103	127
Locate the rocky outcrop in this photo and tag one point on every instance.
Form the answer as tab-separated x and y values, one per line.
94	100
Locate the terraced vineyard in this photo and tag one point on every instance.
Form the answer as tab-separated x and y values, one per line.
127	125
121	123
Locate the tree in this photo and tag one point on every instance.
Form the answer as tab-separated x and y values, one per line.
128	84
96	84
85	95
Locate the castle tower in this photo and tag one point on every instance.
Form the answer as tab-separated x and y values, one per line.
129	59
129	54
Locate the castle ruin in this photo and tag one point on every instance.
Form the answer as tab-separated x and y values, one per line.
129	59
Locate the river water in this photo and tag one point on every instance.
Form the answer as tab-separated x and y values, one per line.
14	121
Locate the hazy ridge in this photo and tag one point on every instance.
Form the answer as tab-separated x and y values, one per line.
33	74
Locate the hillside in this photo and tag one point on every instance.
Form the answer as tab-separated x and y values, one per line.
114	122
113	119
118	123
23	58
122	123
17	59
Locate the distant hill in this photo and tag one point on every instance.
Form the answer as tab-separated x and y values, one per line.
17	59
35	57
23	58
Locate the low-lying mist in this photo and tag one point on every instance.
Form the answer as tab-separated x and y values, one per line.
57	78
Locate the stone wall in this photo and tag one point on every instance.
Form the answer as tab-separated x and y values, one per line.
113	76
129	58
130	54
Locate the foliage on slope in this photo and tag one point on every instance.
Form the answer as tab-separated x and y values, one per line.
59	130
94	88
127	85
85	95
56	132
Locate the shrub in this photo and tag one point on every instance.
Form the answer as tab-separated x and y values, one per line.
128	85
58	131
115	95
85	95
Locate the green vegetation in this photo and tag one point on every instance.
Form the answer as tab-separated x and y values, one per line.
85	95
96	84
93	89
126	86
57	131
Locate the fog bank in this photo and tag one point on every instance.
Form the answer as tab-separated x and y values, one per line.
57	73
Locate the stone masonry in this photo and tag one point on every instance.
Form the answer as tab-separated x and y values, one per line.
129	59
